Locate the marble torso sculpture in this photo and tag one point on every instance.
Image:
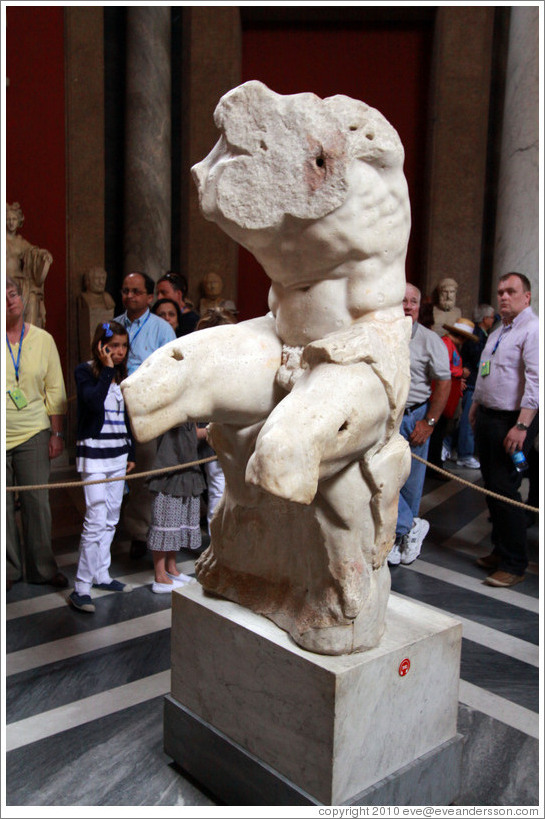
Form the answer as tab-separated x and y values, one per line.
307	400
95	305
445	312
28	265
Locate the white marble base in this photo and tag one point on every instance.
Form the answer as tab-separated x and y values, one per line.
331	726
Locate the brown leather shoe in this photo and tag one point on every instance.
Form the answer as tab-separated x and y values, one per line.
503	579
491	561
59	580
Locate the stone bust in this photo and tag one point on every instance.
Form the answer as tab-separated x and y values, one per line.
95	305
212	287
306	401
27	264
445	311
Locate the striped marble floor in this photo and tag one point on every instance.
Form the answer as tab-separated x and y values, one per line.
84	693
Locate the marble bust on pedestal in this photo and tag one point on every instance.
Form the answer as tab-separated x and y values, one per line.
95	305
212	299
445	312
306	402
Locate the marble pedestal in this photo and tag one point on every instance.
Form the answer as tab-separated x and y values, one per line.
258	720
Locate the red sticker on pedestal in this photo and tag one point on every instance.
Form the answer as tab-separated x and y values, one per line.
404	667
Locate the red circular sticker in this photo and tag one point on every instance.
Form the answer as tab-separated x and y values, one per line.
404	666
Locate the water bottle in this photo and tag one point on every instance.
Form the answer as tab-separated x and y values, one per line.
519	460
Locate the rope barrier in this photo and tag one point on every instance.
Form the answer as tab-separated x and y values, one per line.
163	470
75	484
475	487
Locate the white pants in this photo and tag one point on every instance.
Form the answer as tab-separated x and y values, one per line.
215	480
103	502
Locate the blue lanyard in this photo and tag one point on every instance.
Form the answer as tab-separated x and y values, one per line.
133	339
503	332
16	364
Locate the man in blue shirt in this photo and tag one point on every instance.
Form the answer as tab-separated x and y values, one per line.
147	332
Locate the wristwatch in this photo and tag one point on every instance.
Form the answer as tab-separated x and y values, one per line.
57	434
431	422
520	425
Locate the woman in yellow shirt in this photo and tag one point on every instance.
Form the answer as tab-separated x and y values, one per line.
35	409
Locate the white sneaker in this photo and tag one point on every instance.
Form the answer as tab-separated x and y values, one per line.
163	588
180	579
445	453
469	463
412	541
394	558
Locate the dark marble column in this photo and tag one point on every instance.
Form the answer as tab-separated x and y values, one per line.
148	136
517	221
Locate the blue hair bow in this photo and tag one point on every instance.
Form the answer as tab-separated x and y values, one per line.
109	332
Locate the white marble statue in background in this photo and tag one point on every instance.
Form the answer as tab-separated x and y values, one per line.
26	264
307	400
445	312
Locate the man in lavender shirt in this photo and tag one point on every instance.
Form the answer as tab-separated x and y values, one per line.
504	417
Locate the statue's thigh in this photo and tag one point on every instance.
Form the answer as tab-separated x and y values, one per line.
348	403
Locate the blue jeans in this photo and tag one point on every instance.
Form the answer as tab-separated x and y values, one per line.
466	440
411	491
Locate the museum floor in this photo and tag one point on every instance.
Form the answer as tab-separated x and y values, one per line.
84	693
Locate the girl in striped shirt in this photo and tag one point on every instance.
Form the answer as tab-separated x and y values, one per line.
104	449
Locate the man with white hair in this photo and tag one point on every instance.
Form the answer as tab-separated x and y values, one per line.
429	362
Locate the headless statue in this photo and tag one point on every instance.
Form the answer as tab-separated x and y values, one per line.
26	264
306	401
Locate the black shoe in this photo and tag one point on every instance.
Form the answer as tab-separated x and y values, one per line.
138	549
114	586
81	602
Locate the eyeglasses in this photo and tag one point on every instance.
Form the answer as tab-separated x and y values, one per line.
131	291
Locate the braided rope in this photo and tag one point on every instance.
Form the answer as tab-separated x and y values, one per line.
475	487
75	484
